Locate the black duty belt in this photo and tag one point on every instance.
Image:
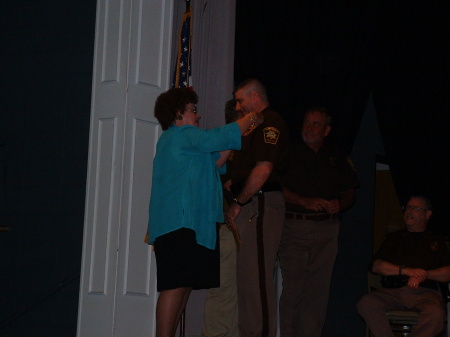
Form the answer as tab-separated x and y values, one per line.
312	216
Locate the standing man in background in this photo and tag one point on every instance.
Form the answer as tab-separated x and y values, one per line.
319	184
221	308
258	210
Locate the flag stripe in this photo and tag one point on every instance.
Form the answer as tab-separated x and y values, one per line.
182	72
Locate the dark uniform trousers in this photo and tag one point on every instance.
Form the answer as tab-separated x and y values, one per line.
256	315
307	254
373	306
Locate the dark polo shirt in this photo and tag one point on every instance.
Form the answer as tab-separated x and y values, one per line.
325	174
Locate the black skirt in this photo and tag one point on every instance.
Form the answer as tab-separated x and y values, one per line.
182	262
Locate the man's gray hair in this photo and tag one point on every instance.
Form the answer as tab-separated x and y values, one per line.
426	201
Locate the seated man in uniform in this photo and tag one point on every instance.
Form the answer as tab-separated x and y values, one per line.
414	263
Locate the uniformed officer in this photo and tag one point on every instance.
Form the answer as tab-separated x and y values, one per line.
258	210
413	263
320	183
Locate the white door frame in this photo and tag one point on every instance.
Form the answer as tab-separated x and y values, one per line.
134	46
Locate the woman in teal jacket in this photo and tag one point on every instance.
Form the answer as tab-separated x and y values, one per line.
186	201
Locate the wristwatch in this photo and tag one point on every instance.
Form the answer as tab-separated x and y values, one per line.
238	202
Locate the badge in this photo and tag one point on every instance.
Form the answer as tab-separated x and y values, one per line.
271	135
434	246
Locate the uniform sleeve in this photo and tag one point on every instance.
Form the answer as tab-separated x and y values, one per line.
268	141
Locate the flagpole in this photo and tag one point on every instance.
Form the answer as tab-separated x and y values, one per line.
185	35
183	314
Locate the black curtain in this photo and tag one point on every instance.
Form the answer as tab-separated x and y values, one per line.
46	59
335	54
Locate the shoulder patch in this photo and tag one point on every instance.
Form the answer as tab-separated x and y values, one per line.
271	135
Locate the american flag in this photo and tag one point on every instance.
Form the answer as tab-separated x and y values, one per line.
182	73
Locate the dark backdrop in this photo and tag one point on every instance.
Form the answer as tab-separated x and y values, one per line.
46	69
335	53
307	53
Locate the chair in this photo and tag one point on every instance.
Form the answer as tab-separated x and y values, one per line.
402	321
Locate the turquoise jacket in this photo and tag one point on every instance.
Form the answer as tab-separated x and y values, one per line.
186	186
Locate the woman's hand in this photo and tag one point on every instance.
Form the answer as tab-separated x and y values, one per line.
256	117
250	121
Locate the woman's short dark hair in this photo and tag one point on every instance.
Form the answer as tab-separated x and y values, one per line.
170	102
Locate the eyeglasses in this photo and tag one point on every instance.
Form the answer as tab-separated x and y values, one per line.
194	109
413	208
